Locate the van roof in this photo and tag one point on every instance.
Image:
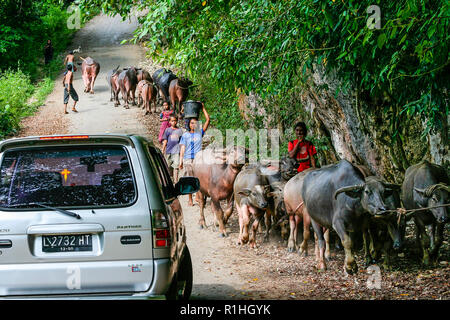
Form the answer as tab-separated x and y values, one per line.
70	139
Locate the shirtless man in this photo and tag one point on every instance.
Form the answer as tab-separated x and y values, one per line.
69	89
69	60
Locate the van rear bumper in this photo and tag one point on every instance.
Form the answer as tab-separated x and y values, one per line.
151	279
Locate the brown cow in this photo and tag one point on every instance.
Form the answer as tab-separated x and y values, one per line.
89	71
146	94
178	92
217	170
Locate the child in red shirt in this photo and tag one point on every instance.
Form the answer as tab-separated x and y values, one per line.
301	149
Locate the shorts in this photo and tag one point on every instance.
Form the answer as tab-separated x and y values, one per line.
173	160
188	168
72	93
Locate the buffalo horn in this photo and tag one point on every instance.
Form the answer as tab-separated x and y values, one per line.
356	187
430	189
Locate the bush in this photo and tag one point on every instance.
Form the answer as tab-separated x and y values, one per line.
15	89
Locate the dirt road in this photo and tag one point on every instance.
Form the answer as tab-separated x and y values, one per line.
222	269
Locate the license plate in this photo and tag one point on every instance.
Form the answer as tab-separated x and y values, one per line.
67	243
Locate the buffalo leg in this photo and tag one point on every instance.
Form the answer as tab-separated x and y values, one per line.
229	209
306	233
244	220
434	254
202	202
292	243
92	85
350	266
252	240
424	241
326	235
319	246
218	212
268	219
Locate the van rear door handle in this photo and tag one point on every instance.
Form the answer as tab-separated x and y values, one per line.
65	228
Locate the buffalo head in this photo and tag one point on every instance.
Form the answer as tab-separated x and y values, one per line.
376	197
432	196
288	167
256	196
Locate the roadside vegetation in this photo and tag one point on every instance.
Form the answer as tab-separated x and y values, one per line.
272	50
25	81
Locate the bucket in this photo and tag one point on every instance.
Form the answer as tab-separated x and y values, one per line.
192	109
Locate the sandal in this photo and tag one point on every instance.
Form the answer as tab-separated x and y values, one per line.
74	110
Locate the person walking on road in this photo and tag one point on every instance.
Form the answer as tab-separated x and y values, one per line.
48	52
69	89
171	146
190	145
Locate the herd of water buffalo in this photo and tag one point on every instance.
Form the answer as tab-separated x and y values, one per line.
343	197
163	84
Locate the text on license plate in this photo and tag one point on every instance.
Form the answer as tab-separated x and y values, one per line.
67	243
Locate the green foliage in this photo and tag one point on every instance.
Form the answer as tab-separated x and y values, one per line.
15	89
268	47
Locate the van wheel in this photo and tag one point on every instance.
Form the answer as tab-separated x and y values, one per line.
181	286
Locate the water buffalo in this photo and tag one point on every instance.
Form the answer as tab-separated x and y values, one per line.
178	92
295	208
89	72
216	171
146	94
113	82
338	196
277	177
382	233
162	78
427	185
127	83
250	198
297	213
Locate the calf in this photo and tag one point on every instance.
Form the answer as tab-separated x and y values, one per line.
250	198
427	185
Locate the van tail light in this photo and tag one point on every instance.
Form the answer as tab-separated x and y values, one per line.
161	231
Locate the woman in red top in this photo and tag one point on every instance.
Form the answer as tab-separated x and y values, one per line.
301	149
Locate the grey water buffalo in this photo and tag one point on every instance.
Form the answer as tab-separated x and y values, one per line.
216	170
427	185
250	198
178	92
127	83
277	177
113	82
384	232
338	196
146	94
89	72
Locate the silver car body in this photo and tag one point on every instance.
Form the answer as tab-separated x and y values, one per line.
119	264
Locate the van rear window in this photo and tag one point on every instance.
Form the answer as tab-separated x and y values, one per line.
66	177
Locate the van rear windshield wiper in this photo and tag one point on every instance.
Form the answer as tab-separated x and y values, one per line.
66	212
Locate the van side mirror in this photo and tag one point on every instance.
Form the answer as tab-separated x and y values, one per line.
187	185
